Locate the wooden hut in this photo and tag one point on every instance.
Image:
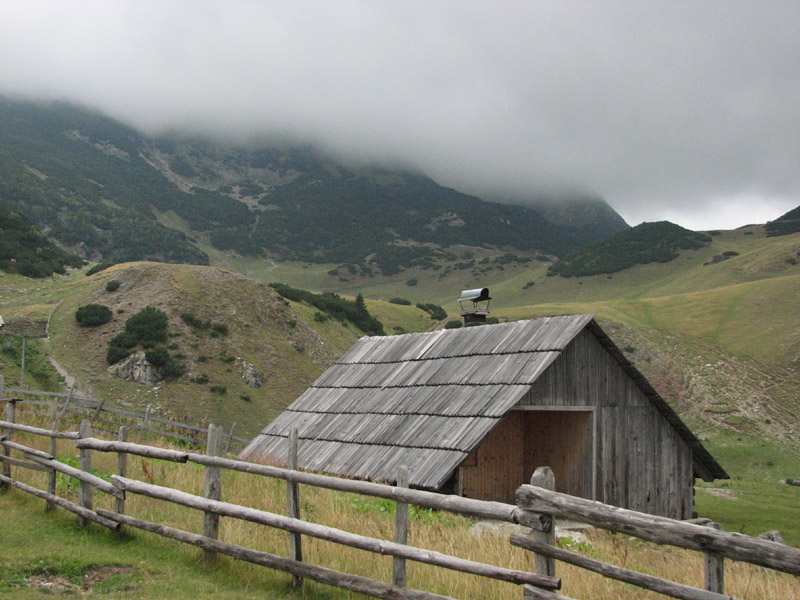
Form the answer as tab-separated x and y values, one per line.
474	411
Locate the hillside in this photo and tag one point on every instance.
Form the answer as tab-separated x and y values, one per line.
785	224
645	243
24	250
285	344
109	193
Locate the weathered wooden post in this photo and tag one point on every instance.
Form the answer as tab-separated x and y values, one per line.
85	490
400	530
11	412
213	489
230	437
715	568
293	500
543	477
122	467
147	418
51	475
22	366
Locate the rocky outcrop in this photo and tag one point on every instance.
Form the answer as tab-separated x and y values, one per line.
135	368
252	376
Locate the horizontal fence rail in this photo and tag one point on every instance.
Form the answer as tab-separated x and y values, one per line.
662	530
121	486
537	506
99	411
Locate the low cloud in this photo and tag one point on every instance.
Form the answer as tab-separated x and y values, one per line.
677	110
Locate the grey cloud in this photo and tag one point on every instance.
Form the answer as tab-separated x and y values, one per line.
664	108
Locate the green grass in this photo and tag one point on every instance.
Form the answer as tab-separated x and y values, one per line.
46	553
756	499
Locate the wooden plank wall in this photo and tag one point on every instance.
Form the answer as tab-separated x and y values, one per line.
495	469
643	464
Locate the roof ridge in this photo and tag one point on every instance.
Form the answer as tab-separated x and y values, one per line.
409	360
313	439
403	414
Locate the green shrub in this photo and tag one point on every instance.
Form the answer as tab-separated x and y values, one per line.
492	320
112	286
98	267
148	326
219	328
202	378
124	340
411	282
219	389
354	311
158	357
116	354
436	312
453	324
93	315
401	301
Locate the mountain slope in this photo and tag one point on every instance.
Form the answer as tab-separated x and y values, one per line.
110	193
785	224
645	243
24	250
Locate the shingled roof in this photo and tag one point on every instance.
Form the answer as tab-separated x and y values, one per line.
427	400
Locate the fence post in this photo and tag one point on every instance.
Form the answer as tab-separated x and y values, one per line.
51	476
147	418
293	499
230	437
22	367
85	490
543	477
400	530
122	467
2	387
213	489
11	412
715	568
98	409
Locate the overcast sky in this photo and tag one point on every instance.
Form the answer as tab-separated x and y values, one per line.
686	111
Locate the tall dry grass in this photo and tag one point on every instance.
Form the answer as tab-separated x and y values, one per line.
444	532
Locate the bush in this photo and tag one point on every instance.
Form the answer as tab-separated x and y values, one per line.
124	340
99	267
219	328
148	326
219	389
112	286
436	312
453	324
492	320
400	301
116	354
158	357
93	315
411	282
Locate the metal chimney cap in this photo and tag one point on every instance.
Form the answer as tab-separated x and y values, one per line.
476	295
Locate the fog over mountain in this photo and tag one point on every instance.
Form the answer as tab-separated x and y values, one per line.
687	111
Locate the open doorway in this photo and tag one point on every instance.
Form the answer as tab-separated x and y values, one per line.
564	441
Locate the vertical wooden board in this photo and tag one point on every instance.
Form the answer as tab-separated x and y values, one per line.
622	439
650	459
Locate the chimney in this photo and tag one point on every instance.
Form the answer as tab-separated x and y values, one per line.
476	316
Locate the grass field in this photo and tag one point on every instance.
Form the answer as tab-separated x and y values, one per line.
47	553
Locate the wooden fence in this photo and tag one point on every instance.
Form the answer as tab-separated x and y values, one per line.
74	408
537	505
